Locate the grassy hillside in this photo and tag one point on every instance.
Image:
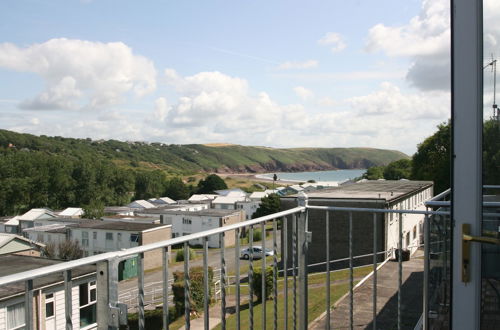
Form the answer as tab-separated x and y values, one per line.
192	158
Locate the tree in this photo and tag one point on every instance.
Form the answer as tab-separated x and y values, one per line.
432	159
95	210
69	250
491	152
399	169
257	283
211	183
66	250
374	173
268	205
176	189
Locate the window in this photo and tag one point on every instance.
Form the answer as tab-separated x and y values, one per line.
134	238
49	305
186	221
109	236
15	316
94	235
88	297
119	237
85	238
415	232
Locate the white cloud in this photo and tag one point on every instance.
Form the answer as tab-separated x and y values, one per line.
334	40
303	93
425	39
80	74
290	65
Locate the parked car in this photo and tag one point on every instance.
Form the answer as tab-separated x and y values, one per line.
257	253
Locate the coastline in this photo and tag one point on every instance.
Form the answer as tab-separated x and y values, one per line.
257	178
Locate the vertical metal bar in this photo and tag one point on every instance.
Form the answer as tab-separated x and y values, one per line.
237	284
140	290
263	274
328	303
102	295
222	280
275	276
302	264
165	260
400	267
206	288
28	304
284	250
294	273
250	277
68	299
351	279
374	291
427	246
187	306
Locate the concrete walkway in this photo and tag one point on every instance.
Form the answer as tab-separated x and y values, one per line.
387	300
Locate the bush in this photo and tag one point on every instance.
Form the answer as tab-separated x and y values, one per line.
257	282
179	256
153	319
257	235
196	289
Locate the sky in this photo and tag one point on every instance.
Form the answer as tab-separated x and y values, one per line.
337	73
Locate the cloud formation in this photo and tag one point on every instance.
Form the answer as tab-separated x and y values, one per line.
425	39
334	40
291	65
81	74
303	93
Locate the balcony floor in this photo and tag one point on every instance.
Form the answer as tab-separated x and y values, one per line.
387	299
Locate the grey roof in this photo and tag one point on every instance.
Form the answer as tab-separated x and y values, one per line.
385	189
118	225
19	263
207	212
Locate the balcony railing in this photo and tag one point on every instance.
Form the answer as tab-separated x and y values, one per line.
294	242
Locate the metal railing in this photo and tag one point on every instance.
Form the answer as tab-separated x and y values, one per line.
111	312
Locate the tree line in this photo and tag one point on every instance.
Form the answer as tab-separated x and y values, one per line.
432	161
33	179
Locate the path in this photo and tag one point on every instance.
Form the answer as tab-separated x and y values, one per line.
387	300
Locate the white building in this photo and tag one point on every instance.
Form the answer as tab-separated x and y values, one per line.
228	202
17	224
161	201
141	204
71	212
48	296
185	223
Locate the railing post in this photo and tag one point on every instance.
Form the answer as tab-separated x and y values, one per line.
102	295
302	242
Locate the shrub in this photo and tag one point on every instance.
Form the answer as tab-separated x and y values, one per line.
196	289
257	282
153	319
179	256
257	235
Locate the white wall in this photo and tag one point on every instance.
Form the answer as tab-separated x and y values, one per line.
411	222
100	244
249	207
198	224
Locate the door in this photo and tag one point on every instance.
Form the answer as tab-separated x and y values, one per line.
475	279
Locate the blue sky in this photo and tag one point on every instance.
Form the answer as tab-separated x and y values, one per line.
275	73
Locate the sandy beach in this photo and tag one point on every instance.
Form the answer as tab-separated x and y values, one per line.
258	177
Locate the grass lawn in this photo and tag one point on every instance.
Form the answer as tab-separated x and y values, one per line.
316	306
316	299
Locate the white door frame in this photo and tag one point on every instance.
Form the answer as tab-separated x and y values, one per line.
467	121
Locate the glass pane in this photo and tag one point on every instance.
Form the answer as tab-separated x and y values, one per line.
490	267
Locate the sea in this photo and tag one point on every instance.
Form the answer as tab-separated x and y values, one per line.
338	175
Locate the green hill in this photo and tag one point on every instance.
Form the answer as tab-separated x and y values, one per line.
192	158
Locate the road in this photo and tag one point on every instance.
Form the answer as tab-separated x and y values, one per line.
213	261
